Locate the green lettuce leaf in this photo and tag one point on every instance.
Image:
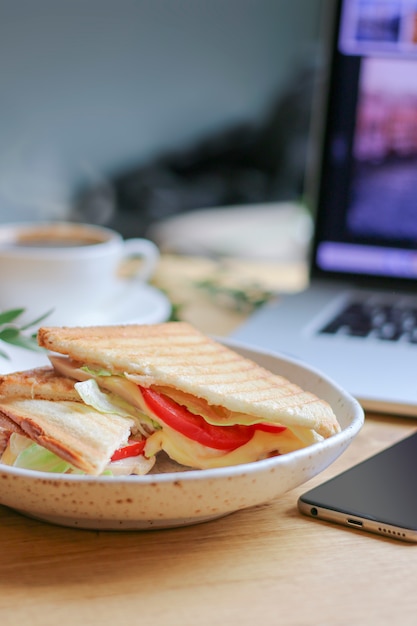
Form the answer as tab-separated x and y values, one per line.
35	457
91	394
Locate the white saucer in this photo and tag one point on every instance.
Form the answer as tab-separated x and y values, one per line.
136	303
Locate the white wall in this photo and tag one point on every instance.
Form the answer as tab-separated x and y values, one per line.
87	86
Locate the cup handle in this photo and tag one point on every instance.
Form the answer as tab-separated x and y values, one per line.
147	251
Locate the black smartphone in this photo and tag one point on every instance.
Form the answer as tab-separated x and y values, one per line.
379	495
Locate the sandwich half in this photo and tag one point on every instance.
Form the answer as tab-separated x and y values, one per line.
46	425
207	405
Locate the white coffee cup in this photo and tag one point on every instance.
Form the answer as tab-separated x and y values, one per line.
67	268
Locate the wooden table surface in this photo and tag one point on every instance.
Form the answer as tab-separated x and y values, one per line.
267	565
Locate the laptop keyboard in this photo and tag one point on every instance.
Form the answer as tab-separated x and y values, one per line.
385	321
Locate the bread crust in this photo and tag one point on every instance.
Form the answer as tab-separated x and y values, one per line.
41	382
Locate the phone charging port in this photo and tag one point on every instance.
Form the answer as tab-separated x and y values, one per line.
354	522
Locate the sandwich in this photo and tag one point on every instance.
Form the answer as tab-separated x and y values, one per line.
192	398
45	425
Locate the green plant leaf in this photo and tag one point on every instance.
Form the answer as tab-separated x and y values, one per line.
9	333
9	316
12	333
29	343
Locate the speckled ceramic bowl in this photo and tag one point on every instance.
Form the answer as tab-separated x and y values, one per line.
185	497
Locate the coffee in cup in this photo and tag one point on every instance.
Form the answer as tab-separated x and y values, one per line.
67	268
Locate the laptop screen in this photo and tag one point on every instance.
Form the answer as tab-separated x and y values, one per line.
367	202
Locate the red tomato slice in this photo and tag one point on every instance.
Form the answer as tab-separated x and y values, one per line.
196	428
133	448
270	428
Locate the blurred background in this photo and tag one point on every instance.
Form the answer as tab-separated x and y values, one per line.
127	112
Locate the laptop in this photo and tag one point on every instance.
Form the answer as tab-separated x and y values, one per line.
357	319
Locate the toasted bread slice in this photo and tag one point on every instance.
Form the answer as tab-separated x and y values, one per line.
80	435
176	355
41	383
7	427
